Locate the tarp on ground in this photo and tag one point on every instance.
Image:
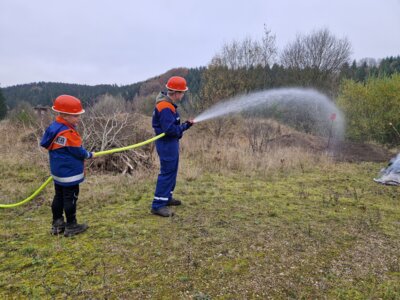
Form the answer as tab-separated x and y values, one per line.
391	174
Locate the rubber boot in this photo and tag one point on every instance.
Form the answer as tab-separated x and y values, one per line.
58	226
162	211
174	202
74	228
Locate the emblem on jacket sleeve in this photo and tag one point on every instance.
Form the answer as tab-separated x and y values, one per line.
60	141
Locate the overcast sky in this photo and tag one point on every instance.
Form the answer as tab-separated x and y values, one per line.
123	42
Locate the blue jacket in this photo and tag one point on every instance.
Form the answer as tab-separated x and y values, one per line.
166	119
66	152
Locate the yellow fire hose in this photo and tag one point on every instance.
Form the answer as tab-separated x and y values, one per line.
96	154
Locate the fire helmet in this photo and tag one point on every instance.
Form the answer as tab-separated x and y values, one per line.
177	83
67	104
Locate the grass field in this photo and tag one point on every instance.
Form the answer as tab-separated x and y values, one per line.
311	232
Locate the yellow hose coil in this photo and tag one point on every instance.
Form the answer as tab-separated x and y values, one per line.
96	154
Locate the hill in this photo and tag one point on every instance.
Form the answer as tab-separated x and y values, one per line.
43	93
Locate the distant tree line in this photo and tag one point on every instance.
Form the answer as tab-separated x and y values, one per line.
228	74
3	107
217	81
43	93
231	72
367	68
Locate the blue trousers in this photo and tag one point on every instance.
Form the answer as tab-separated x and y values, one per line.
166	181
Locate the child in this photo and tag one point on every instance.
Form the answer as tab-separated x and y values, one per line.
166	119
67	157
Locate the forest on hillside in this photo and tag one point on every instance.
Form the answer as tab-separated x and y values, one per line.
43	93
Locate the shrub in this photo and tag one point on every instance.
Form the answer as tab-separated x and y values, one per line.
372	109
23	114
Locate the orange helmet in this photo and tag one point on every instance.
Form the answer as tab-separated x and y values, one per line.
177	83
68	105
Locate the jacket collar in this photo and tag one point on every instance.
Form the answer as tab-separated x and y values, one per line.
164	97
61	120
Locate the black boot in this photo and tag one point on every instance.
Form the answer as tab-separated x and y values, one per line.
58	226
174	202
74	228
162	211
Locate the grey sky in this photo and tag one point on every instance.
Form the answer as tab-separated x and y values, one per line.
122	41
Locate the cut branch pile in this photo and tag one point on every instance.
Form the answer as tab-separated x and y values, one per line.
125	163
109	125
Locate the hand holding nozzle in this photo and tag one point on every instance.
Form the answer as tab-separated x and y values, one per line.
188	123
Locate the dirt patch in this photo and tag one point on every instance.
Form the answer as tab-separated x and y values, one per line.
357	152
340	150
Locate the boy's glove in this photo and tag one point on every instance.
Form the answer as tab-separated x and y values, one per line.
187	124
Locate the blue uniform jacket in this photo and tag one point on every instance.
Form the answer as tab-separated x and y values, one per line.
66	152
166	119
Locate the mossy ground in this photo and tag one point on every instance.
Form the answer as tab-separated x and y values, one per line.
317	232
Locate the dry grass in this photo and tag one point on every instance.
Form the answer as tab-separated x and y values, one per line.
232	152
21	144
200	151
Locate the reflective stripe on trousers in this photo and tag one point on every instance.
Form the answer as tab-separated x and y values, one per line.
165	183
68	179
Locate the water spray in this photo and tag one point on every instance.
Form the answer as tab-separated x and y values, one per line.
256	102
332	118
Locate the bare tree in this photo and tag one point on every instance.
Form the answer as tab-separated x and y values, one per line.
319	50
268	47
247	53
237	68
228	72
228	57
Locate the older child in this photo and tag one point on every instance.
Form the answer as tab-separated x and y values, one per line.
166	119
67	157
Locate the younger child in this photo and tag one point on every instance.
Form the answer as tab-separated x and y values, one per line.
67	157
